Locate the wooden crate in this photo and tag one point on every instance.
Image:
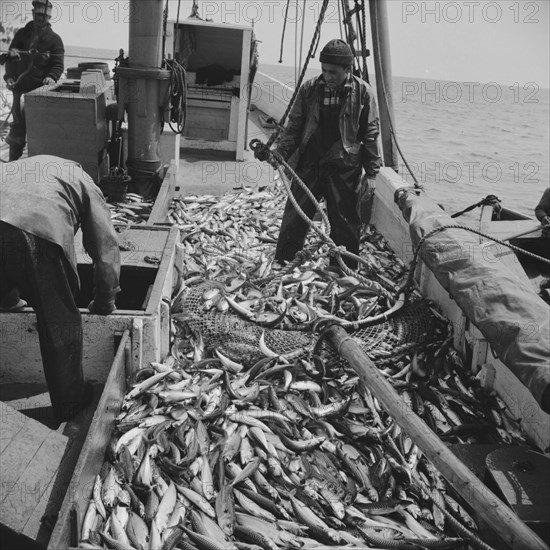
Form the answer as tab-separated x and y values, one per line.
77	496
143	310
68	124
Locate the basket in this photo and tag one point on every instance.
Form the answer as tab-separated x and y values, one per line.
114	188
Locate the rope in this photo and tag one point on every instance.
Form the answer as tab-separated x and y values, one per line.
302	31
178	96
364	41
299	82
392	129
489	200
461	529
261	152
283	33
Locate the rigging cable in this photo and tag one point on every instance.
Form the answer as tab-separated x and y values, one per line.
296	60
302	31
283	33
392	130
364	40
312	48
164	24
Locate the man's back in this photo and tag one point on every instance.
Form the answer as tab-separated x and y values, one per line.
51	197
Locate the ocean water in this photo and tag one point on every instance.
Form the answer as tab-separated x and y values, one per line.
466	140
462	140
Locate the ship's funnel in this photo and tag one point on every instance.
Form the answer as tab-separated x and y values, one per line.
143	91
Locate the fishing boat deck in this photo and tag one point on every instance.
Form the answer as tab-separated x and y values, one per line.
211	172
37	458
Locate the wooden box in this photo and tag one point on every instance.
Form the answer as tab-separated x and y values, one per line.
68	124
79	490
216	114
142	309
49	474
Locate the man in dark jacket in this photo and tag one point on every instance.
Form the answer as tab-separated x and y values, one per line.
331	134
542	212
44	201
26	72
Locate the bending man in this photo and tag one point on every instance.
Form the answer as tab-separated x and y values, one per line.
45	200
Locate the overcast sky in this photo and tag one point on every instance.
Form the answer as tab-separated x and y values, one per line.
467	40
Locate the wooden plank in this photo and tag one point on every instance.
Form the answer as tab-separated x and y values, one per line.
496	376
164	269
505	230
41	479
11	425
29	465
164	328
137	344
243	99
92	454
143	241
195	143
499	517
159	214
20	345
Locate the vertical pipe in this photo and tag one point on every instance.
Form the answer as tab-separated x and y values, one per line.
145	34
144	112
382	64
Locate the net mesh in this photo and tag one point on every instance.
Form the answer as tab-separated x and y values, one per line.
239	339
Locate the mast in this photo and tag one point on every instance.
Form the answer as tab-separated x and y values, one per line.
143	90
382	64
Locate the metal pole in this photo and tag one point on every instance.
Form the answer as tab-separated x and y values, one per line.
145	92
382	65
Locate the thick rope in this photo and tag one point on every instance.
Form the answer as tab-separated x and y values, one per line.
474	540
262	152
489	200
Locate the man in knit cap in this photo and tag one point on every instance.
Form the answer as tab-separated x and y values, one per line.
330	136
26	72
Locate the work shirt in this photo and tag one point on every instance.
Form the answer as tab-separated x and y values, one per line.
46	41
51	197
358	124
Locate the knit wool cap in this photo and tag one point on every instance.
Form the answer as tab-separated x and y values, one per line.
336	52
42	6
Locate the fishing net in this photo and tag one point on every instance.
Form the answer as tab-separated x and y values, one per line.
238	338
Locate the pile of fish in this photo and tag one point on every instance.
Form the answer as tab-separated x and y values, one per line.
208	455
134	210
290	451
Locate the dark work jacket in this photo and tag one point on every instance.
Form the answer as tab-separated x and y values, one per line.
47	41
358	124
52	198
543	207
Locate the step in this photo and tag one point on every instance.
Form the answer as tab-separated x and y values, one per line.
31	457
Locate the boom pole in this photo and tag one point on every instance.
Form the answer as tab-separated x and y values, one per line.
382	65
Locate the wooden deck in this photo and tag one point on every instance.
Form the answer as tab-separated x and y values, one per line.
36	463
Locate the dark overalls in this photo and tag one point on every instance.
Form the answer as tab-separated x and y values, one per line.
39	270
328	177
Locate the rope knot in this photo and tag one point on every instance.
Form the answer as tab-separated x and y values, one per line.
262	152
